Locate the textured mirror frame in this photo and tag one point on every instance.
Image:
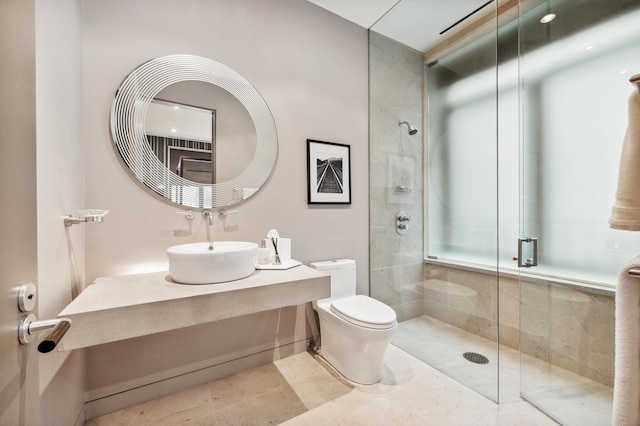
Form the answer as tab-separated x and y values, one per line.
129	110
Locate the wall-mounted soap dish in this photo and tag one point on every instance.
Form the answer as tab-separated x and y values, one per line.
88	215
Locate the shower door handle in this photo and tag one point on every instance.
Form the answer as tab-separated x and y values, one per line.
527	256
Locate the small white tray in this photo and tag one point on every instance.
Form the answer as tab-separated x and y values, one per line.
284	265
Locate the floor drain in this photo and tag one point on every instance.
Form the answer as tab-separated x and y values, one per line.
475	358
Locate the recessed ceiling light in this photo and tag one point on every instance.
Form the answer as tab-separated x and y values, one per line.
547	18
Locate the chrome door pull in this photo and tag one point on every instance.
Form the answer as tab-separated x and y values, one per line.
532	253
29	326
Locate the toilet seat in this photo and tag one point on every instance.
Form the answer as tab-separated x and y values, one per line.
365	312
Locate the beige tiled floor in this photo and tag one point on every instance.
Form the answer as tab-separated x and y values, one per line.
302	390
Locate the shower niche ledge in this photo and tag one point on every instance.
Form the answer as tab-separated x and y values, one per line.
124	307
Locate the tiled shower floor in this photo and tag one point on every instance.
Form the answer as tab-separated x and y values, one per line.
568	397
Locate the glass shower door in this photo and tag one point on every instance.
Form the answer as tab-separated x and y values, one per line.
462	208
575	62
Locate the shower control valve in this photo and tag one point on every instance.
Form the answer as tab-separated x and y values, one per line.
402	222
404	218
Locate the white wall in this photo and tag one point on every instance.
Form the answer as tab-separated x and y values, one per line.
311	68
18	242
60	191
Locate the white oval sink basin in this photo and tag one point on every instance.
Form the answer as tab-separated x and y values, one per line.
228	261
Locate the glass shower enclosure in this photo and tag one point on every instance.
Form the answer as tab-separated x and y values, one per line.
522	123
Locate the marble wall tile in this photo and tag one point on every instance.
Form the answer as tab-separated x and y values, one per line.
535	346
594	307
412	282
387	52
566	326
412	309
508	308
435	271
395	159
474	324
384	247
386	285
569	327
599	368
471	293
509	336
437	310
509	302
534	308
436	290
568	357
602	338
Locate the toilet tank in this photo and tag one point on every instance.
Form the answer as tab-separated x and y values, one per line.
343	276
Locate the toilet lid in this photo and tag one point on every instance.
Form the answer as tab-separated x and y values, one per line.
364	311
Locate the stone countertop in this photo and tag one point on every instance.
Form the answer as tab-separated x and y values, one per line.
123	307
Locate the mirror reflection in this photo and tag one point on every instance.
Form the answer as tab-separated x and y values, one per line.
194	131
200	132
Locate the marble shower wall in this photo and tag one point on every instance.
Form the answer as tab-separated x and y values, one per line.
395	175
566	326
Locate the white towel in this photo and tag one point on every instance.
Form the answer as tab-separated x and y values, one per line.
625	213
626	388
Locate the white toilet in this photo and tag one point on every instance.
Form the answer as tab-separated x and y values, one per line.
355	330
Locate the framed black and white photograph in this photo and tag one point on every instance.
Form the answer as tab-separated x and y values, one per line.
328	173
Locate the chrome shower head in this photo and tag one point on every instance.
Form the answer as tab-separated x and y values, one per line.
410	127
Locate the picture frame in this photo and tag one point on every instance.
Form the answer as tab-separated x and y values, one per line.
328	173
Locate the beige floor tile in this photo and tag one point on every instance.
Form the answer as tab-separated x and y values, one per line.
319	389
518	414
278	405
299	365
118	418
242	413
198	416
178	408
263	379
303	390
229	391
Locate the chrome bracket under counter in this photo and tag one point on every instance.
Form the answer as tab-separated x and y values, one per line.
123	307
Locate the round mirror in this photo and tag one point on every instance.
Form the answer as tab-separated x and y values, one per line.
194	131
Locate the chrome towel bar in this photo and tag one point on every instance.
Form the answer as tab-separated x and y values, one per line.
634	272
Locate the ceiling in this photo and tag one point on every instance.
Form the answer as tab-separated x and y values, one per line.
415	23
362	12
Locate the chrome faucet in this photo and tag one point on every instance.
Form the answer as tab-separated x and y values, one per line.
208	216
